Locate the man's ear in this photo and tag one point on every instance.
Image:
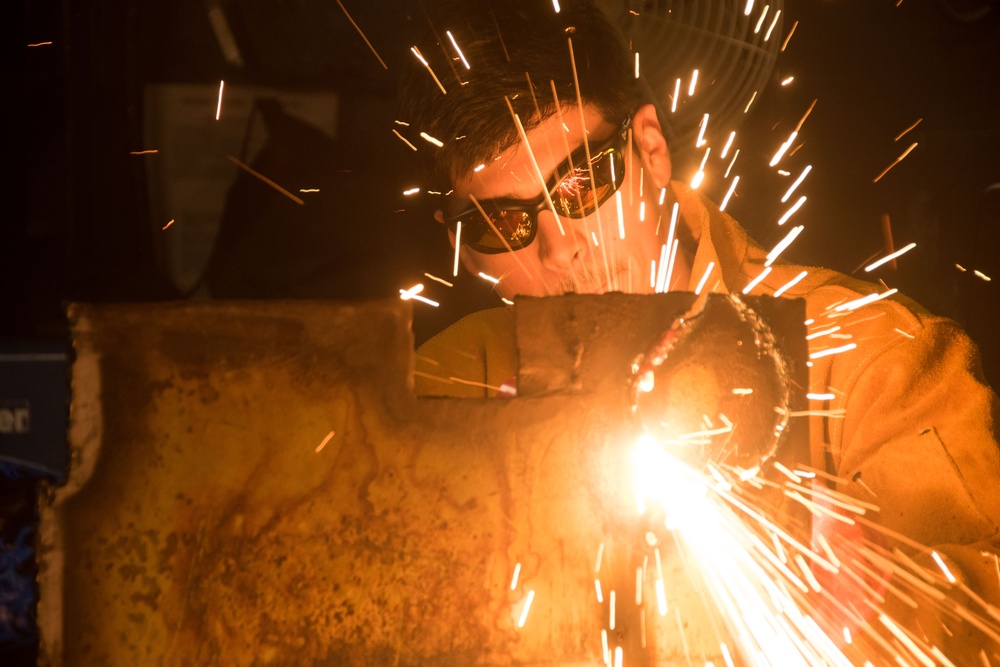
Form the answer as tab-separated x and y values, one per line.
653	148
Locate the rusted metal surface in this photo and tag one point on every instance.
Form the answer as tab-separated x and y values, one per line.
201	526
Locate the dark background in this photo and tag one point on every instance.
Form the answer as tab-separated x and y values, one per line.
76	215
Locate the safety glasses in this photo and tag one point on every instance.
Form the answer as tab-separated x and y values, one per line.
573	192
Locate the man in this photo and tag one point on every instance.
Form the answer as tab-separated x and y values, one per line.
561	182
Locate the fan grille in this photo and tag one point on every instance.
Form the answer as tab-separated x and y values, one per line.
716	37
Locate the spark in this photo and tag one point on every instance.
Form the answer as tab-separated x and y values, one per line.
621	214
604	647
427	137
308	190
39	44
790	33
382	62
593	237
507	301
597	589
729	143
414	293
756	281
475	384
694	82
864	301
903	133
538	171
513	580
168	224
748	8
704	278
524	611
619	656
411	191
895	162
145	152
821	397
611	604
600	557
661	598
642	211
944	568
218	108
783	245
725	655
458	50
901	636
732	162
760	21
320	446
555	5
479	168
791	283
795	207
787	81
403	139
416	52
742	391
267	180
889	258
833	350
638	586
700	141
797	183
752	98
825	332
729	193
663	195
670	267
458	245
637	64
440	280
774	22
490	278
981	275
699	175
677	94
399	122
960	268
783	148
910	336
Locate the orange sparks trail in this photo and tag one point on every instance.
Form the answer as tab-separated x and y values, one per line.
264	178
146	152
895	162
790	33
320	446
39	44
218	108
903	133
168	224
382	62
423	61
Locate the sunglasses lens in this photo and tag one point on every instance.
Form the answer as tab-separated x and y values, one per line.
515	227
577	196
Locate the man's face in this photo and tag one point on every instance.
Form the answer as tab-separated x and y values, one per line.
590	257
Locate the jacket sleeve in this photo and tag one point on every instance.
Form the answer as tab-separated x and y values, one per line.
919	437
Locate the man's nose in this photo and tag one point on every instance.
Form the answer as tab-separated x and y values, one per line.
556	250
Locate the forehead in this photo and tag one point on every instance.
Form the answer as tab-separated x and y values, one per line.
521	170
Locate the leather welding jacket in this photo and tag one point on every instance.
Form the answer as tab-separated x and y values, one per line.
917	435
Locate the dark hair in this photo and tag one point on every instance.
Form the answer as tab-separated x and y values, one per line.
506	43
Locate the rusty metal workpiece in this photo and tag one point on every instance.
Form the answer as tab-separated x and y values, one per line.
200	526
